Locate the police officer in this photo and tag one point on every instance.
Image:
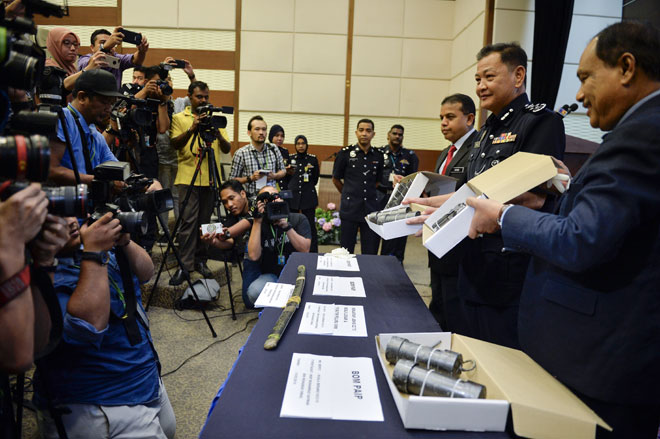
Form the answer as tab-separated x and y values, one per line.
397	162
303	185
490	278
361	168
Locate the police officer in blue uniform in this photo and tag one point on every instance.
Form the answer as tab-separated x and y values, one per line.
490	278
398	161
303	185
361	168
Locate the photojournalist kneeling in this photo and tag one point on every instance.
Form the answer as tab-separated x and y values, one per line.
273	238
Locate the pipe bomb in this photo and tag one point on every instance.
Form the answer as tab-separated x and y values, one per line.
390	217
375	217
413	379
444	361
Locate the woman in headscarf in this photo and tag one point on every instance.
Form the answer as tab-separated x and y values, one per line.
61	70
303	186
276	137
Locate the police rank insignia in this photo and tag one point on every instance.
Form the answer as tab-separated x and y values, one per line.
534	108
404	162
504	138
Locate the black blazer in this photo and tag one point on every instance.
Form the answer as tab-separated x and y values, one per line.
448	265
590	307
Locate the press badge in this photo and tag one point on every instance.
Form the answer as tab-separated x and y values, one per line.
391	177
280	260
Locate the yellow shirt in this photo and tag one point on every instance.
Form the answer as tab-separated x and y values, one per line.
187	158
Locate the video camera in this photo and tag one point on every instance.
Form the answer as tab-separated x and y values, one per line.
21	60
209	124
274	211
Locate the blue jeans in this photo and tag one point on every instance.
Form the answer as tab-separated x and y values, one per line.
255	288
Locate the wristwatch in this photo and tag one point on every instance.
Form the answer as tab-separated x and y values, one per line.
100	258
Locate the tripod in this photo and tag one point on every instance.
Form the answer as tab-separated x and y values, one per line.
214	178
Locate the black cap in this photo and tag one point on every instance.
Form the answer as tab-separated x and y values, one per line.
97	81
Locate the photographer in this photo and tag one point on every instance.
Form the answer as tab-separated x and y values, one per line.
272	242
105	42
61	72
238	225
185	126
94	93
25	321
138	76
160	120
104	375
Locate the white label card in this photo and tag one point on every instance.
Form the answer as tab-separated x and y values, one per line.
274	295
339	388
338	286
331	319
328	262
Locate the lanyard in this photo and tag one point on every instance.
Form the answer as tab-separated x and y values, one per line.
275	237
85	146
256	157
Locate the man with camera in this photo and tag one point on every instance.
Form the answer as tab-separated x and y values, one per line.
154	88
103	378
94	94
259	163
186	135
236	231
276	233
25	318
104	41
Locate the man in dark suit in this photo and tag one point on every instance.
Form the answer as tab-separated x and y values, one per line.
590	307
457	114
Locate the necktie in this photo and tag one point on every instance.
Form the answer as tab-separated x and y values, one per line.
450	155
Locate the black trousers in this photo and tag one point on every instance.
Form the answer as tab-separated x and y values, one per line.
495	324
369	240
197	212
394	247
445	303
149	162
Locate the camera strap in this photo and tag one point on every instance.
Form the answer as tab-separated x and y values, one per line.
130	321
83	137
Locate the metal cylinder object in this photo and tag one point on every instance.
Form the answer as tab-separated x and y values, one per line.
443	360
416	380
389	217
374	217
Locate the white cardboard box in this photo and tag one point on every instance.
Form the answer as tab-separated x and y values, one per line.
508	179
436	184
541	407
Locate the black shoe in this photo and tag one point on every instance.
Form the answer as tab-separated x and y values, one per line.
203	269
178	277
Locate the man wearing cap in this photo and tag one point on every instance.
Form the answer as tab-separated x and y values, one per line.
93	95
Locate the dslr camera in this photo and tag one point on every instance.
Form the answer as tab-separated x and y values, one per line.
274	211
139	113
132	206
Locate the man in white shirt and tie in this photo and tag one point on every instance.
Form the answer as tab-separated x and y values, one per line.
457	115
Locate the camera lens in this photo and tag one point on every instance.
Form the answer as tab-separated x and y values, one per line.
21	71
24	158
68	200
165	87
132	222
140	116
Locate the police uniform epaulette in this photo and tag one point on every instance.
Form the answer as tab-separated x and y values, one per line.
346	148
311	155
534	108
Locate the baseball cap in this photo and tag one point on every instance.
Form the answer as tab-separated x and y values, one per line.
97	81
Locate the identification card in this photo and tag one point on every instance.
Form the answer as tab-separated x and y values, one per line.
391	177
281	260
306	177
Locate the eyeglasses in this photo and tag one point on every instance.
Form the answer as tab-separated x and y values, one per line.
71	43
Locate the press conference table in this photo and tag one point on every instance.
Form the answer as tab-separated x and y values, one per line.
250	402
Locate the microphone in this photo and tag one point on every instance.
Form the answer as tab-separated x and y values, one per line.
565	110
